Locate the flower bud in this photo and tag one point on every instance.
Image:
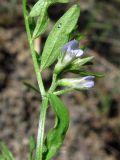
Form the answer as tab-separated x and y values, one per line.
78	83
71	51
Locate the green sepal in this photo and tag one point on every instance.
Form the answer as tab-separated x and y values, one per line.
59	36
31	86
73	66
77	63
56	135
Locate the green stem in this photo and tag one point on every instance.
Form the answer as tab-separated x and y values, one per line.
63	91
40	137
41	126
53	85
36	66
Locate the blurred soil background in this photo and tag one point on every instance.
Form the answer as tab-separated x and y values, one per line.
94	132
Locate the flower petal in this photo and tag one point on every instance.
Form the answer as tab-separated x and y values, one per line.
72	45
88	78
77	53
88	84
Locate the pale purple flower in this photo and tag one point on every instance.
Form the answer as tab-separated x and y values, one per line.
72	44
87	82
78	83
71	51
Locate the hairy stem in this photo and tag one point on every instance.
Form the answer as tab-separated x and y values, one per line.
41	126
40	137
36	66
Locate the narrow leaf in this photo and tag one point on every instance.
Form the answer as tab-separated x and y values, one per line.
42	21
40	10
59	36
31	86
36	9
5	152
56	135
38	58
32	146
59	1
99	75
32	24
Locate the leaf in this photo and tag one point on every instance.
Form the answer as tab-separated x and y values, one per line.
31	86
56	135
42	22
99	75
59	1
32	146
59	36
40	10
38	58
32	24
5	152
36	9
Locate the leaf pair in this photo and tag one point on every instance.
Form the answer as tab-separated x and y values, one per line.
55	136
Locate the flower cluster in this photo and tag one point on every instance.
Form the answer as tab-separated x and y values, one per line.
70	53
